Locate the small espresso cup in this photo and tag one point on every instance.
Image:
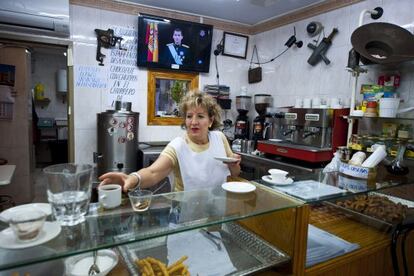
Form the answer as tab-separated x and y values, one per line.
110	195
278	175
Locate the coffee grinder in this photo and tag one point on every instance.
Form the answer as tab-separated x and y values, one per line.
261	103
241	128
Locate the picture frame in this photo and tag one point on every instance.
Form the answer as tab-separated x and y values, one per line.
164	92
235	45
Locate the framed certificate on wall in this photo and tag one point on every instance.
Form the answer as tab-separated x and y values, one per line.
235	45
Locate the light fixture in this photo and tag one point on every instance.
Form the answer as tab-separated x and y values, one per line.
292	40
219	48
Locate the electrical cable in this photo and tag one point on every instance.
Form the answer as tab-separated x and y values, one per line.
271	60
217	71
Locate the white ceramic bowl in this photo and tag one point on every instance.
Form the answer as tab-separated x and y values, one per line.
79	265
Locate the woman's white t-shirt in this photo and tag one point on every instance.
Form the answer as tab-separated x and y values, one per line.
197	168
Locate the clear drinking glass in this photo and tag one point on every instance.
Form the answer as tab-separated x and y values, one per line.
140	199
69	191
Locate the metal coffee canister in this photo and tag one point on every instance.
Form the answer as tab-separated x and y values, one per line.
117	139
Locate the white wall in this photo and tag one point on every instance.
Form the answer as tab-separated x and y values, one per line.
286	78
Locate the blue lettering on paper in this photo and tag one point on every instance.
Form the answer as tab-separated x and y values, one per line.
90	77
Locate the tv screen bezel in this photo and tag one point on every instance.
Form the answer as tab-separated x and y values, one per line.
153	65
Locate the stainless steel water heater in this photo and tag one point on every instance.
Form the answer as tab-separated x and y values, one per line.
117	140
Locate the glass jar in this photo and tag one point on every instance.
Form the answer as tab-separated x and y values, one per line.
388	141
356	142
354	138
397	166
403	131
381	141
409	152
368	142
394	147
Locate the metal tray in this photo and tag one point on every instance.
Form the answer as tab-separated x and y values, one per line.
247	252
379	224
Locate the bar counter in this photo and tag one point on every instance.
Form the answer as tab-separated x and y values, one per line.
277	221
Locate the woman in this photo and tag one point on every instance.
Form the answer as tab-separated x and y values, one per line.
191	157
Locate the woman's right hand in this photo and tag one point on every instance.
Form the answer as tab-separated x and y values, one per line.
126	181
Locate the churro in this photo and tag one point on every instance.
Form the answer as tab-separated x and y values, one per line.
152	267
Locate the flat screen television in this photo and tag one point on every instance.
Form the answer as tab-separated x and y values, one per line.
173	44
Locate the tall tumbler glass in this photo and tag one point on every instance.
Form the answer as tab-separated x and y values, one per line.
69	191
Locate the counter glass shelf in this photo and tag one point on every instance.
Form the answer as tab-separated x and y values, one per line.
169	213
320	182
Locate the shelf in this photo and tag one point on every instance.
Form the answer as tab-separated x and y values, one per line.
377	118
43	102
169	213
239	252
409	64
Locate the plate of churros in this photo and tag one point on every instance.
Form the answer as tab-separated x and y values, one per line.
151	267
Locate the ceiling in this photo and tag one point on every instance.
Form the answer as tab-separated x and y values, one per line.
248	12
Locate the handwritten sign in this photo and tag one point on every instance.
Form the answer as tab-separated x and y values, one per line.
90	76
123	71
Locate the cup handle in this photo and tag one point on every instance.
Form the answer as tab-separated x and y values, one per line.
102	197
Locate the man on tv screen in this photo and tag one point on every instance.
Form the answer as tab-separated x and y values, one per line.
176	52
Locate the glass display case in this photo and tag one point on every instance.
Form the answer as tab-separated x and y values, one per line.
240	233
173	220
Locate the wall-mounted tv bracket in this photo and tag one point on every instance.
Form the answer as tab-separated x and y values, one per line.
106	39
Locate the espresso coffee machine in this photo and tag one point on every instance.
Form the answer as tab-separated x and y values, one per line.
241	127
261	103
308	134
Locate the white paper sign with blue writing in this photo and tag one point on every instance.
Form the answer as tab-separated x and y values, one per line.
355	171
91	76
123	70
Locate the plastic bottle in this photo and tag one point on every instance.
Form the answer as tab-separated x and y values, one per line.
39	91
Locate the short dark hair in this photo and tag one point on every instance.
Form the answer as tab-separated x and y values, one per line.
178	30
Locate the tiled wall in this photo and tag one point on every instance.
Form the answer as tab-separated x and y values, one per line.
286	78
290	76
89	102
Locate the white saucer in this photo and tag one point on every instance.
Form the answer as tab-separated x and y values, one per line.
9	213
227	159
9	240
238	187
267	179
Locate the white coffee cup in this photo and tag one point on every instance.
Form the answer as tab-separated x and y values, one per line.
278	175
110	195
